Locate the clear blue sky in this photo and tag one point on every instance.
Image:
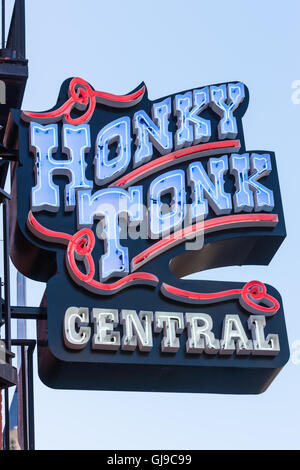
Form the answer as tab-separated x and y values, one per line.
173	46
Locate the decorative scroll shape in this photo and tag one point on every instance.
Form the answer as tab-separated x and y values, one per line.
84	98
251	297
79	247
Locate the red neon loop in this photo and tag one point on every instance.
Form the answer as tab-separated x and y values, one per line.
82	96
249	297
174	158
254	292
79	247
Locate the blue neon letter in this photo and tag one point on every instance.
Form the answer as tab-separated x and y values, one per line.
43	143
249	192
224	100
201	183
191	128
106	169
147	133
161	223
110	203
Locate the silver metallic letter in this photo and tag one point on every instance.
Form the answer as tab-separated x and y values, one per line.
262	346
234	336
200	335
137	330
75	335
172	323
105	320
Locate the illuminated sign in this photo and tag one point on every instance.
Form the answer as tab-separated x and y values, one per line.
116	198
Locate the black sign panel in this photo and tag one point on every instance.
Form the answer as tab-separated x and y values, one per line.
115	199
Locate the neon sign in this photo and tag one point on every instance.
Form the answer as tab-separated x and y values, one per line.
118	197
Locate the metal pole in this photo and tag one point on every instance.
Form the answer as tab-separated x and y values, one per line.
7	310
31	399
6	437
21	334
7	279
24	397
3	24
21	302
